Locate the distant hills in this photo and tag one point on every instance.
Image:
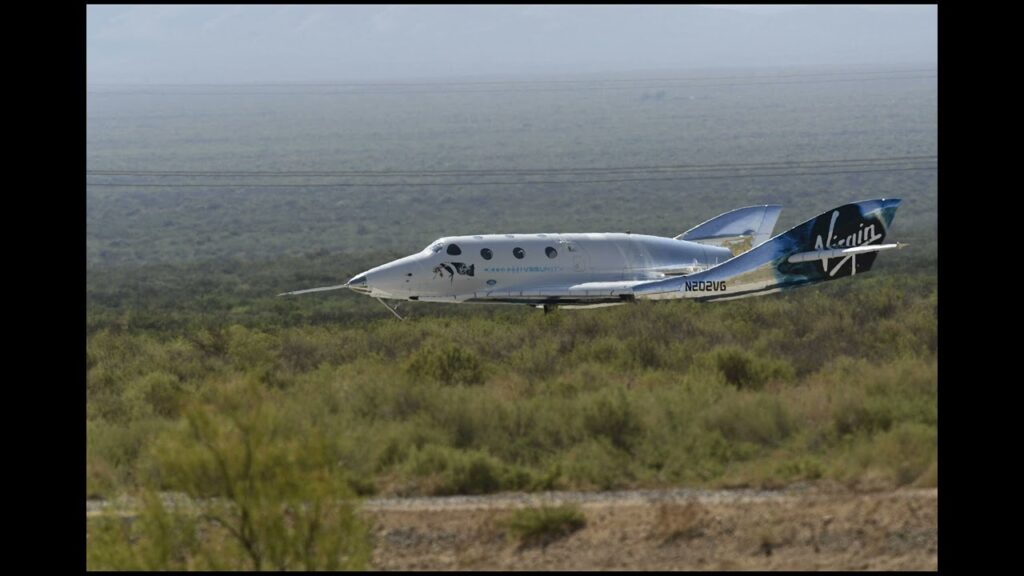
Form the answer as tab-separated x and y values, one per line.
186	44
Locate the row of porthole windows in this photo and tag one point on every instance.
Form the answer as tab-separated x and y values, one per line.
487	254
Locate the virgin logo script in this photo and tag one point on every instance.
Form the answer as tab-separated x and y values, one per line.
865	235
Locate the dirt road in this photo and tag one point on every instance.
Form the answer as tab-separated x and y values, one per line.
800	528
797	529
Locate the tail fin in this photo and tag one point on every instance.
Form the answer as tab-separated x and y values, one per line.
739	230
841	242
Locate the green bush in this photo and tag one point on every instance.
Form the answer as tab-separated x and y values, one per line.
112	450
444	471
459	416
383	393
754	418
596	464
538	360
746	371
449	364
611	415
155	394
646	395
158	540
897	457
871	397
799	468
271	493
645	352
252	351
545	525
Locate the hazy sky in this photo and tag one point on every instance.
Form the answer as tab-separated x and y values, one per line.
213	44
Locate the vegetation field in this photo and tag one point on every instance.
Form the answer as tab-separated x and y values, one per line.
200	380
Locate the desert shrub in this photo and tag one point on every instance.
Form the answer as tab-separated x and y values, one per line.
696	456
611	415
853	415
393	445
679	354
799	468
158	539
449	364
252	351
211	341
101	479
112	451
460	417
442	471
605	351
304	351
645	352
385	394
747	371
538	360
177	356
115	350
872	397
545	525
585	377
277	496
897	457
757	419
777	470
154	394
597	464
476	474
398	340
908	385
662	392
529	431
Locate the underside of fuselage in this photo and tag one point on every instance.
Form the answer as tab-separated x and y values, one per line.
576	302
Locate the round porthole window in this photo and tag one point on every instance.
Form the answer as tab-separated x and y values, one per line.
486	253
551	252
518	252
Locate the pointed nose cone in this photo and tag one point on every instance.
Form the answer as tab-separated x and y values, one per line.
359	284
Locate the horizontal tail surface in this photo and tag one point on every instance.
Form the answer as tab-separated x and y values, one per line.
739	230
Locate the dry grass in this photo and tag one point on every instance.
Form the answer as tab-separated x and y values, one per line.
675	521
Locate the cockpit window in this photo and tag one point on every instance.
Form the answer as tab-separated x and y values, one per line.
454	250
436	247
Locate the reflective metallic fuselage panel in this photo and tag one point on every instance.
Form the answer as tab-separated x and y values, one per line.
730	256
455	268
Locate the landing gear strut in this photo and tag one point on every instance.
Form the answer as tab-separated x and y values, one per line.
550	308
392	310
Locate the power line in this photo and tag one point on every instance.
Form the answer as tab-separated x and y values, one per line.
520	183
526	81
510	88
784	164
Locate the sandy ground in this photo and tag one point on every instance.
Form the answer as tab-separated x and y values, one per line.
797	529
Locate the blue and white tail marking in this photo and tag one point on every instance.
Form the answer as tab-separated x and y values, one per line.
841	242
